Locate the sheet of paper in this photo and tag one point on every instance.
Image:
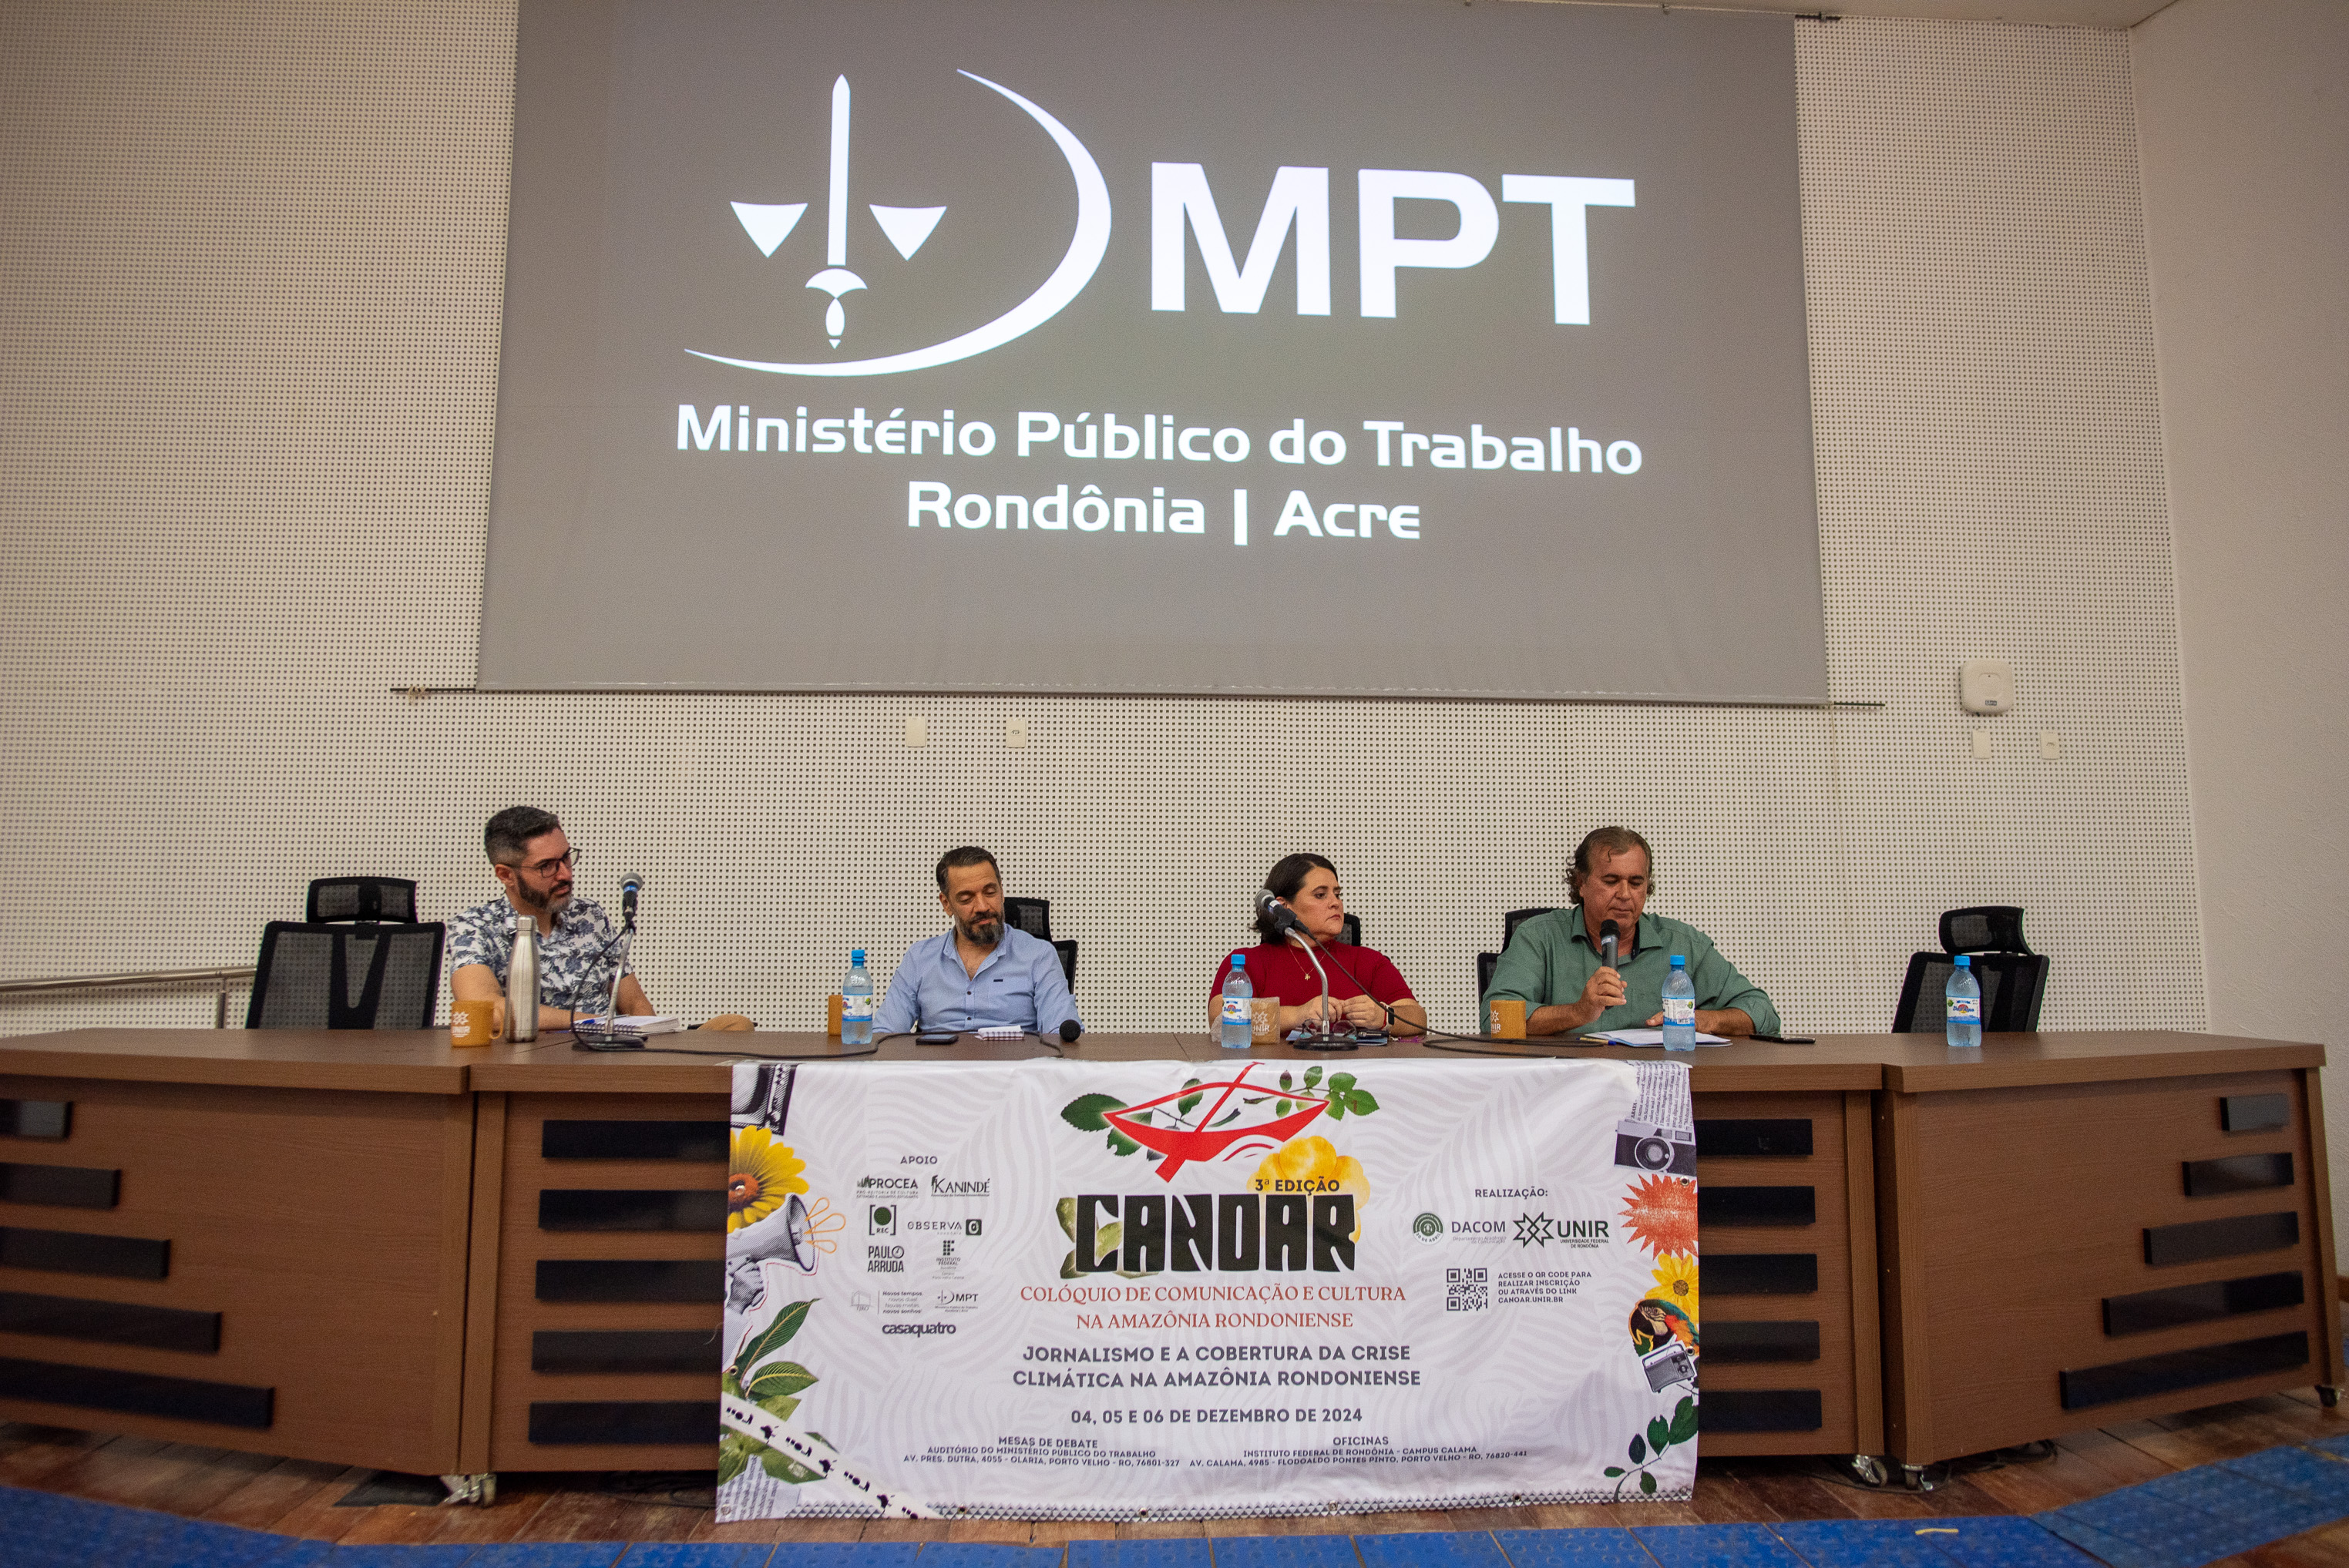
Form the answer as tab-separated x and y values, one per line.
1647	1037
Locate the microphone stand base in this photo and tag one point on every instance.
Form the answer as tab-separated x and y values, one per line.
1327	1043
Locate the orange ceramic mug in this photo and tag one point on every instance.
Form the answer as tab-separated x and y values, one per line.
476	1023
1509	1018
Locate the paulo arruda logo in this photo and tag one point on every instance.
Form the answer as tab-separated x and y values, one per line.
1218	1118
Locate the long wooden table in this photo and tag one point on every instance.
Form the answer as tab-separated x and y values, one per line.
441	1261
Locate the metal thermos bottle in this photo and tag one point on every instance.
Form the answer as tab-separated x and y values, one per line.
522	982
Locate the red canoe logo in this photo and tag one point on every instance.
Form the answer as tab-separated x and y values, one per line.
1211	1134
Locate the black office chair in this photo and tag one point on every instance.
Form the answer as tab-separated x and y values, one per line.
1350	934
1516	918
302	977
2013	979
1485	964
388	899
1068	952
1032	915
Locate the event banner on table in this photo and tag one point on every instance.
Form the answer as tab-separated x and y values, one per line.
1081	1289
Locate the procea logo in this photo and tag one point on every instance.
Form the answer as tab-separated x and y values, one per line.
908	228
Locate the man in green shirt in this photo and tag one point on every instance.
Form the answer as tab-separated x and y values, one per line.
1554	966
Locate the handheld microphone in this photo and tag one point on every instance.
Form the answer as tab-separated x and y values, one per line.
631	884
1069	1030
1607	942
1283	918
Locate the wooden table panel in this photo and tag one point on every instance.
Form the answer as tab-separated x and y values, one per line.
326	1228
2015	1212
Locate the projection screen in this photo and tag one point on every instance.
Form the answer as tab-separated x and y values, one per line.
1167	346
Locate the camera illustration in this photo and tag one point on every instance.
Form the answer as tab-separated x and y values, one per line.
1643	1146
1668	1364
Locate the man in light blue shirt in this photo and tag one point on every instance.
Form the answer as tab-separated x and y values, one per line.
982	973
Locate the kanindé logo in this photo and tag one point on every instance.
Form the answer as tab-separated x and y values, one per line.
1182	205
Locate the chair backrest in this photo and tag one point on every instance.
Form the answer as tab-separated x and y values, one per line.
1991	928
1032	915
304	977
1513	919
362	898
1351	932
2013	986
1485	964
1068	952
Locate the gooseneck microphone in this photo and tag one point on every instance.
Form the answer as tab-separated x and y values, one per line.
1283	918
631	884
1607	930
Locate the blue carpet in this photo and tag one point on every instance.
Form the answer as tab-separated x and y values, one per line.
2179	1521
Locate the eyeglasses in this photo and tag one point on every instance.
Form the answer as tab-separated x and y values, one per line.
548	867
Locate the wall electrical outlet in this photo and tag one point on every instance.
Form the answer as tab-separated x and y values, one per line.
2051	744
918	731
1981	743
1015	733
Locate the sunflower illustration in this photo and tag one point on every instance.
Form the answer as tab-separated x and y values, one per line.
1314	1165
1661	1213
1676	1283
761	1173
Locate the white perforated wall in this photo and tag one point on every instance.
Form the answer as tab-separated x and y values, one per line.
250	268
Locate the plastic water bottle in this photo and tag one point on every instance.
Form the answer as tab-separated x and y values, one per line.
856	1003
1680	1007
1237	1032
1963	999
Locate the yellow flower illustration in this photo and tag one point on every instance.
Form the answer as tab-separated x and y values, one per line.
1312	1165
1676	1283
761	1173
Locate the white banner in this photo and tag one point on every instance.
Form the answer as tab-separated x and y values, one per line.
1062	1289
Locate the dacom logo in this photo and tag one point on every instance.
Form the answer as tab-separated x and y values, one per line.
1182	205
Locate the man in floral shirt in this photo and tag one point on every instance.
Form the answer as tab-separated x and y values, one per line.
578	945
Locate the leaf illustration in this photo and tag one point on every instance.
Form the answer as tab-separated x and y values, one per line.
731	1385
1362	1102
1067	1209
1141	1116
1069	1269
1612	1470
1281	1107
1105	1241
1647	1483
1638	1449
819	1436
781	1407
780	1377
782	1467
733	1453
1084	1112
1182	1106
772	1337
1253	1100
1340	1082
1337	1107
1659	1436
1285	1081
1229	1116
1312	1077
1120	1144
1684	1421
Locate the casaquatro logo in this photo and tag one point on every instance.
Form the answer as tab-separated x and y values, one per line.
1181	199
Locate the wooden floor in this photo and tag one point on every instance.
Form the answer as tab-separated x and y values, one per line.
297	1498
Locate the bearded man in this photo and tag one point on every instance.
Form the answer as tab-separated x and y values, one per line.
981	973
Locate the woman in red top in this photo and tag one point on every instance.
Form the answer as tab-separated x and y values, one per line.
1363	983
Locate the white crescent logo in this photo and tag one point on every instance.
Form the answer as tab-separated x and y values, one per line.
1086	248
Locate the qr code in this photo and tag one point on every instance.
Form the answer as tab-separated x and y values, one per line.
1465	1291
